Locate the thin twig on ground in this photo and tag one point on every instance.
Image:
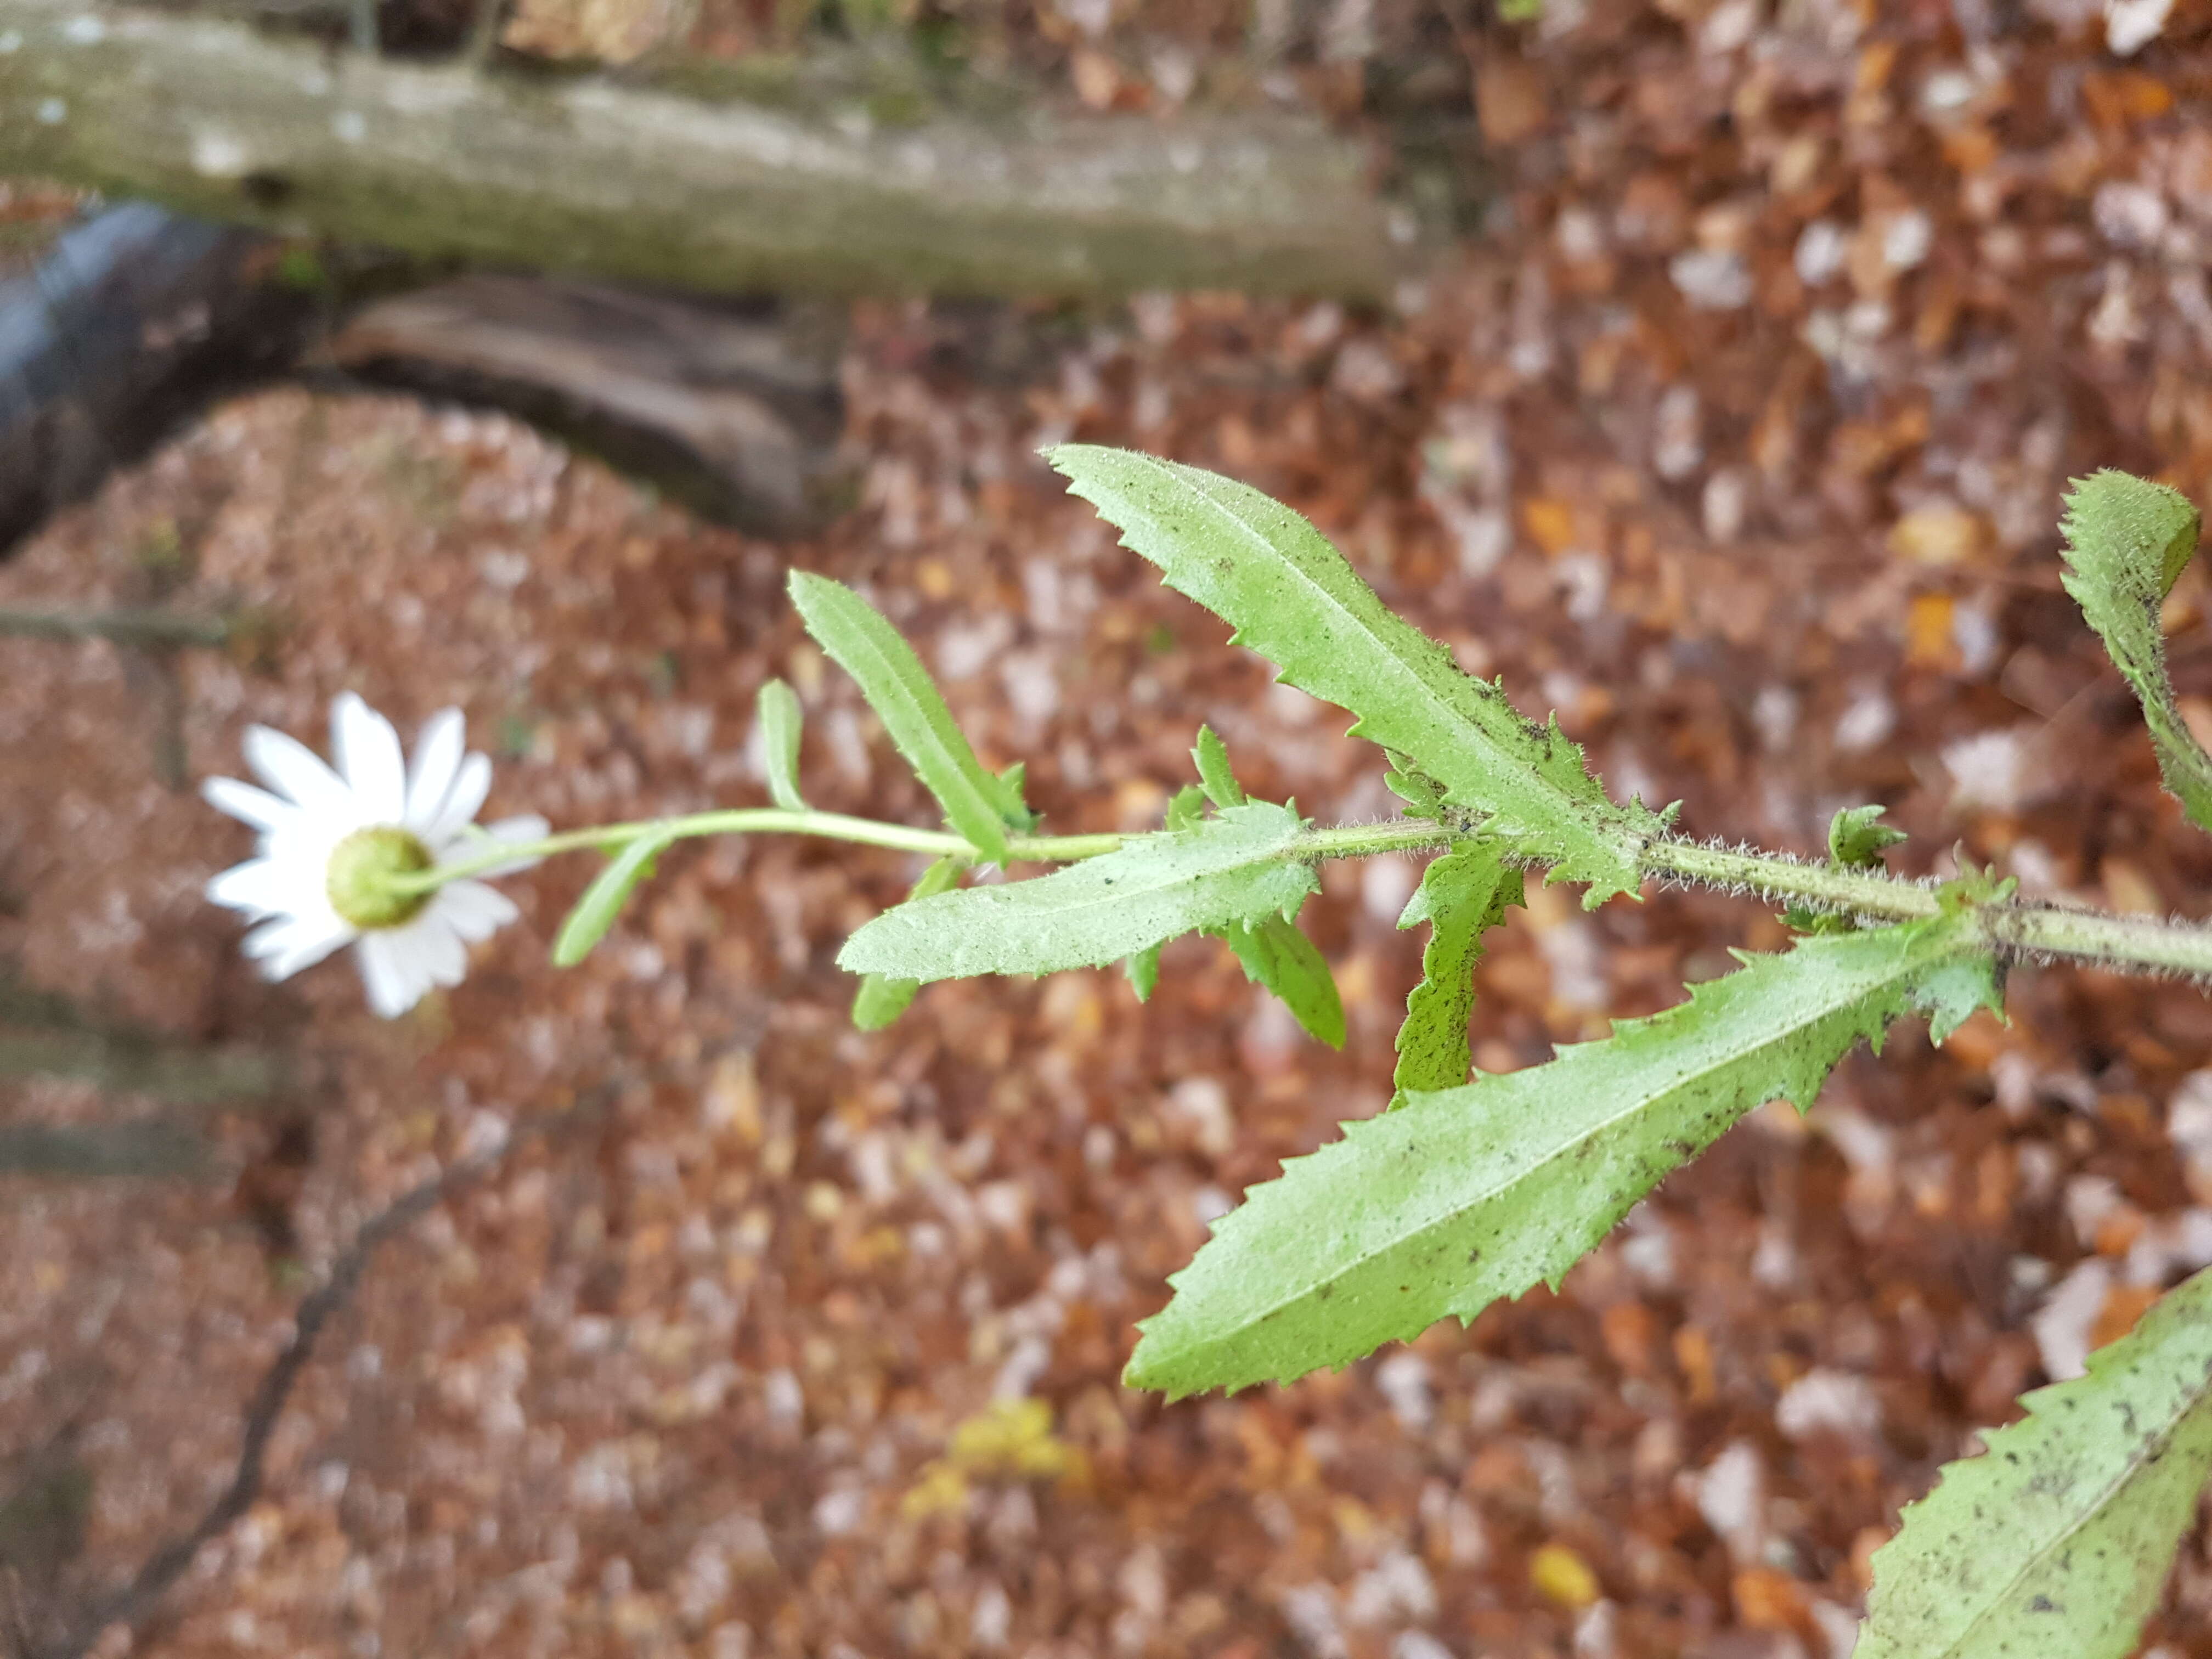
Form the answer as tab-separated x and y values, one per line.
148	627
134	1602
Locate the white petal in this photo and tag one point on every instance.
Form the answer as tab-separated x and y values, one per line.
287	764
268	938
462	804
247	803
367	750
437	762
436	948
287	944
310	942
473	910
393	981
259	886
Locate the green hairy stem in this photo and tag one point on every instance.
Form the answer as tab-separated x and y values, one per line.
2128	944
759	821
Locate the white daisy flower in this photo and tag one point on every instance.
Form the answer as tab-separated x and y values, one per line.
328	839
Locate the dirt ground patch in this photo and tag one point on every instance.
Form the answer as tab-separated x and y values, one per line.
1738	437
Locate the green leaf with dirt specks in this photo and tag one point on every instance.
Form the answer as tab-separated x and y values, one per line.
881	998
2127	543
1464	1196
2057	1539
1462	895
1236	866
1293	598
898	688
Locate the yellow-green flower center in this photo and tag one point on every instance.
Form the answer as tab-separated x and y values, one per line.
360	872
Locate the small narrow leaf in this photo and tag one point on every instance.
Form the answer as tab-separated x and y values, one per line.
898	687
880	1000
1230	868
1144	971
1185	811
1292	598
1277	955
2057	1539
780	720
1856	836
1215	776
1462	895
1462	1197
1188	807
2127	542
586	924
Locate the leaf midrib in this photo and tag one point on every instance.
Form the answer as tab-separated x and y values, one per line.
1276	855
1904	971
1006	906
1451	716
915	706
2134	1467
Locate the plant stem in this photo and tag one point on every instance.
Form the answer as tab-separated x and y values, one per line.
759	820
1825	886
2126	944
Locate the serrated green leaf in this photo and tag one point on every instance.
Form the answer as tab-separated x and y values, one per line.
1856	836
2057	1539
898	688
780	723
1277	955
1462	895
1188	807
2127	541
1144	971
1292	598
1465	1196
1231	867
1423	795
595	910
1214	777
881	999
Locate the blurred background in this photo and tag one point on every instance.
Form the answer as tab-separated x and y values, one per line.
1709	368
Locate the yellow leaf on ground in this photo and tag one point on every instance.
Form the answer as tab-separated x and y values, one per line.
1561	1575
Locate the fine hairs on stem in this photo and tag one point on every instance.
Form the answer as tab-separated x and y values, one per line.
2043	932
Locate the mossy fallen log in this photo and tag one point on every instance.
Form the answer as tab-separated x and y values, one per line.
589	175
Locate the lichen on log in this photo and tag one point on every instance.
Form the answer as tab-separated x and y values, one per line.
593	177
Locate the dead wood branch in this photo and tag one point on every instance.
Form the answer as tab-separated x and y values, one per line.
717	195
